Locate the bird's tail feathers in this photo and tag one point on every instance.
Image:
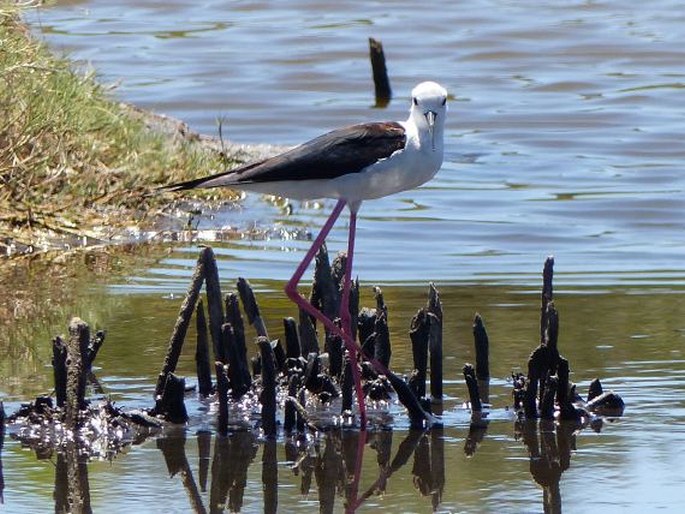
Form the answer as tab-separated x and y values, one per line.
225	178
203	182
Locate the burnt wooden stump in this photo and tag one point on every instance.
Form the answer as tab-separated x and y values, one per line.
76	363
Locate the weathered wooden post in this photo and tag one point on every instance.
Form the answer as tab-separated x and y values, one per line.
268	394
290	412
171	404
380	73
77	346
472	385
236	370
183	321
324	294
308	340
434	309
214	302
382	349
204	373
418	333
59	368
482	346
236	320
222	396
292	339
251	307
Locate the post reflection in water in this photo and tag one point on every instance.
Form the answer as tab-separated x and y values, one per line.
174	453
233	455
72	489
270	476
549	446
332	459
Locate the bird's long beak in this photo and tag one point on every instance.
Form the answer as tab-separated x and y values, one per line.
430	118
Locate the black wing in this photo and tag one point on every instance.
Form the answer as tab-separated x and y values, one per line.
336	153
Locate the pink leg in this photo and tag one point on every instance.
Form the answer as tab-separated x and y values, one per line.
291	286
303	303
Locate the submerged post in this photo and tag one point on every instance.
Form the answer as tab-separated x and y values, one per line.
418	333
324	294
214	303
380	73
251	307
59	367
347	384
472	385
547	294
290	412
268	394
292	338
382	350
308	341
482	346
222	396
182	322
236	371
418	417
236	320
435	342
77	346
171	405
204	373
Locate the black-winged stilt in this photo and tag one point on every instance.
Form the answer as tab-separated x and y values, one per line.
351	164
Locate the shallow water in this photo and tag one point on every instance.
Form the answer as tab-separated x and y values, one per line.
564	137
564	134
630	337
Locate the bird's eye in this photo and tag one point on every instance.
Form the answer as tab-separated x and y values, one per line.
415	100
444	101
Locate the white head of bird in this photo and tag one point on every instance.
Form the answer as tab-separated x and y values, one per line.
428	109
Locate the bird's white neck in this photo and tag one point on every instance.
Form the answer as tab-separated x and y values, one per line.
427	140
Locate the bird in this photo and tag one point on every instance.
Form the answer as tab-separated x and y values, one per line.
351	164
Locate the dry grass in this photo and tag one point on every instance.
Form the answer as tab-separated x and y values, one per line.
71	158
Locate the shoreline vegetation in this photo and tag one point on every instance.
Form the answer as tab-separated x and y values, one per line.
78	167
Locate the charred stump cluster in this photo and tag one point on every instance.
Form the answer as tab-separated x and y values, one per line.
289	374
305	376
545	391
94	428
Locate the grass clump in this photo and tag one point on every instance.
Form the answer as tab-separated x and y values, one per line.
71	158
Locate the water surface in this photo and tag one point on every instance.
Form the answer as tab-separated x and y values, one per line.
564	137
564	133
